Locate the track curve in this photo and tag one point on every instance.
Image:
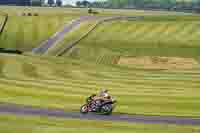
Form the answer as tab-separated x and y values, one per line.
21	110
59	35
101	20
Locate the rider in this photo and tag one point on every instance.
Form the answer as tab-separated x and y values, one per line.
101	97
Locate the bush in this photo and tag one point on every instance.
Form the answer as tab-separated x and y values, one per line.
90	11
95	12
29	14
23	14
35	14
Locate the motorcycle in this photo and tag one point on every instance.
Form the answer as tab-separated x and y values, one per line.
98	106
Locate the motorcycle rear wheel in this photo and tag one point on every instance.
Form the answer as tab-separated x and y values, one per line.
106	109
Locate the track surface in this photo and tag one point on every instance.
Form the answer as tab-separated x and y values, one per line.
101	20
43	48
59	35
19	110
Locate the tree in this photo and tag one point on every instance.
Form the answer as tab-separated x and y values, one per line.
166	4
23	2
59	2
114	3
78	3
36	2
140	3
86	3
130	3
51	2
198	3
196	6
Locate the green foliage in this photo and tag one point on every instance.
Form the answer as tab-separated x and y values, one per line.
149	3
59	2
37	2
51	2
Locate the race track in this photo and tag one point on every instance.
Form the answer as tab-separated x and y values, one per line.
59	35
43	48
21	110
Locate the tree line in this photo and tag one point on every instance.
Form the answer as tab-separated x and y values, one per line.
55	2
152	4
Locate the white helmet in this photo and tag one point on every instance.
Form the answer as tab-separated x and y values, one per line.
104	90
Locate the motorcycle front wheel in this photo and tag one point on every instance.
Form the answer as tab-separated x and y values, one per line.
84	109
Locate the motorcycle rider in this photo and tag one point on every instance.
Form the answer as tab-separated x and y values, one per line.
104	94
100	98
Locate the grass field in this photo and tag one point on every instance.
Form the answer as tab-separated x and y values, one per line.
1	19
25	33
77	11
64	82
22	124
156	36
17	10
58	83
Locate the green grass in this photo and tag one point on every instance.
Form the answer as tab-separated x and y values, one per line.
49	11
1	67
65	83
25	33
153	36
24	124
1	20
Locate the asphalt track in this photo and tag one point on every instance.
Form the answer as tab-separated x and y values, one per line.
21	110
101	20
59	35
43	48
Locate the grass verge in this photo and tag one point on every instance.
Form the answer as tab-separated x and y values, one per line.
23	124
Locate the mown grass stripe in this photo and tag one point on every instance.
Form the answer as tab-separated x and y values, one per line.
30	70
78	86
1	67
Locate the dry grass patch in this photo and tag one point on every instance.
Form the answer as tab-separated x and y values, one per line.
160	62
